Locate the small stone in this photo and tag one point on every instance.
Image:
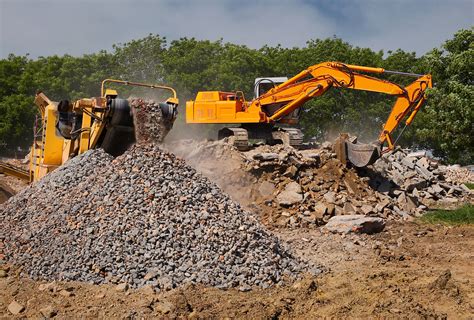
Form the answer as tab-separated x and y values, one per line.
150	275
49	312
148	289
100	295
330	197
163	306
121	287
367	209
66	293
245	288
348	208
3	273
15	308
290	172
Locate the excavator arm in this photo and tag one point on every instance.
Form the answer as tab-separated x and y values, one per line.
318	79
280	105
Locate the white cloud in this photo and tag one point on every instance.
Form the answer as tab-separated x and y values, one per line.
46	27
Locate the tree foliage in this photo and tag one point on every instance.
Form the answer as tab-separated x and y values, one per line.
190	65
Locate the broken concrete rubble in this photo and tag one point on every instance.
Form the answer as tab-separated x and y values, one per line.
399	185
354	223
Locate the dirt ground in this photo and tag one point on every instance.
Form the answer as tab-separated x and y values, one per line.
410	270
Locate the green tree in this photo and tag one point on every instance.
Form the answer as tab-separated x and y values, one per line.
446	124
16	122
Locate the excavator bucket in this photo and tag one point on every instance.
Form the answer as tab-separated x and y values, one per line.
359	154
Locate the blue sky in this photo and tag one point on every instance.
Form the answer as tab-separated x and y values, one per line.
47	27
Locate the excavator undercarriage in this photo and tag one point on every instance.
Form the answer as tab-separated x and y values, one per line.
239	136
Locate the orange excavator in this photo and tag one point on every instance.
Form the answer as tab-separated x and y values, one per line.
271	113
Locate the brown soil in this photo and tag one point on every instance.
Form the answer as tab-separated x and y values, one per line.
410	270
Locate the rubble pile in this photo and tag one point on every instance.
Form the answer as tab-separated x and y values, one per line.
412	176
308	187
144	218
457	174
150	125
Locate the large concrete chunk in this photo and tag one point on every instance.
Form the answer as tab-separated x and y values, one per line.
354	223
290	195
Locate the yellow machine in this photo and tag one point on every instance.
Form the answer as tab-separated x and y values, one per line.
260	117
68	129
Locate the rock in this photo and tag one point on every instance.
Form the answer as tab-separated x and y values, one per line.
49	312
437	189
320	209
348	209
148	289
408	162
355	224
441	281
290	172
306	285
245	288
66	293
367	209
417	154
15	308
382	205
3	273
330	197
150	275
423	163
266	156
290	195
424	172
122	287
52	287
266	189
351	186
164	307
100	295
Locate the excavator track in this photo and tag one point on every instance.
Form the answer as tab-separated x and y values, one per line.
238	137
289	136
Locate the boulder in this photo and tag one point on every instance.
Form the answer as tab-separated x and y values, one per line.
266	156
266	188
354	223
290	195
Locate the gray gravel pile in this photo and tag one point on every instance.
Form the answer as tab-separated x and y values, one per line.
143	218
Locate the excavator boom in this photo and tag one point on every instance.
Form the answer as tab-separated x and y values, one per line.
279	104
